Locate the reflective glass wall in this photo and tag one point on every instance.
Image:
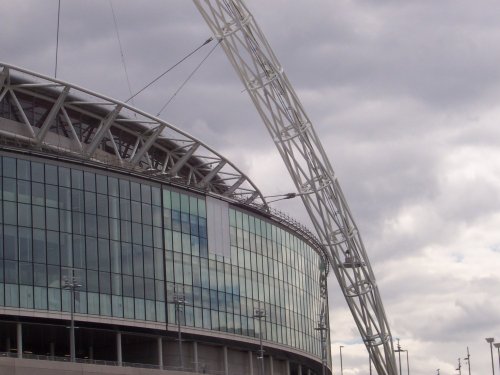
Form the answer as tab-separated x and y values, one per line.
132	243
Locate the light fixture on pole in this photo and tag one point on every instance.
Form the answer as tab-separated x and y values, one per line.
341	367
459	368
72	285
259	314
179	300
399	350
497	345
322	328
407	362
468	359
490	340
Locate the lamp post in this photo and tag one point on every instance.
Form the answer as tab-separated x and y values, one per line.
179	300
459	368
490	340
322	328
497	345
72	285
468	359
259	314
341	367
399	350
407	362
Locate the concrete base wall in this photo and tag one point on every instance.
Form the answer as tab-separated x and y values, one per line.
15	366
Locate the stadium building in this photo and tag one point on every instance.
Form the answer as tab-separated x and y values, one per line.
169	254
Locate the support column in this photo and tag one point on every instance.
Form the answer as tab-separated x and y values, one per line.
300	369
287	367
195	355
271	365
91	352
19	330
160	353
119	358
250	362
7	344
226	364
309	371
52	349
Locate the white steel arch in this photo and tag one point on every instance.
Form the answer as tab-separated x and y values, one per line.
286	120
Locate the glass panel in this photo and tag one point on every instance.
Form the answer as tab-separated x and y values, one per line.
102	184
39	250
64	177
135	191
9	167
89	179
113	186
146	193
50	174
37	172
24	191
76	179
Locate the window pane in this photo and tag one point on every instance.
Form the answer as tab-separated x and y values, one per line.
39	250
89	179
102	184
9	167
50	174
37	172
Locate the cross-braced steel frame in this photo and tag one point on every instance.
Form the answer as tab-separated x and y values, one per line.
286	120
41	113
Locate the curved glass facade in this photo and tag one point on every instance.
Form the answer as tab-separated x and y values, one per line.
131	243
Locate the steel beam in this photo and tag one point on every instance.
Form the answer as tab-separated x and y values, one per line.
52	115
102	130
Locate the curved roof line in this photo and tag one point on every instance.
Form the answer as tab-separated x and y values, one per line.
46	113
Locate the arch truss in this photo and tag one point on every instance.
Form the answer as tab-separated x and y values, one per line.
289	126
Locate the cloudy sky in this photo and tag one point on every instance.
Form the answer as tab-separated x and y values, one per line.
406	98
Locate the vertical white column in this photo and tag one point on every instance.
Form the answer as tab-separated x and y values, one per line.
309	371
19	330
195	355
287	367
160	353
271	365
226	364
119	358
300	369
250	362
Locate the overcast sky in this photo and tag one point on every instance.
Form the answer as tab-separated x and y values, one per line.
406	98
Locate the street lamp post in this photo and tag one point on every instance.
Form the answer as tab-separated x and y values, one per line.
407	362
399	350
179	300
259	314
459	368
468	359
341	367
490	340
322	328
72	285
497	345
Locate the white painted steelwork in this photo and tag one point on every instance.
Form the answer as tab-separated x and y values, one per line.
284	116
44	114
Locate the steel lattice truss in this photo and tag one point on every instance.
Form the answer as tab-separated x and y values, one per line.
41	113
307	163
